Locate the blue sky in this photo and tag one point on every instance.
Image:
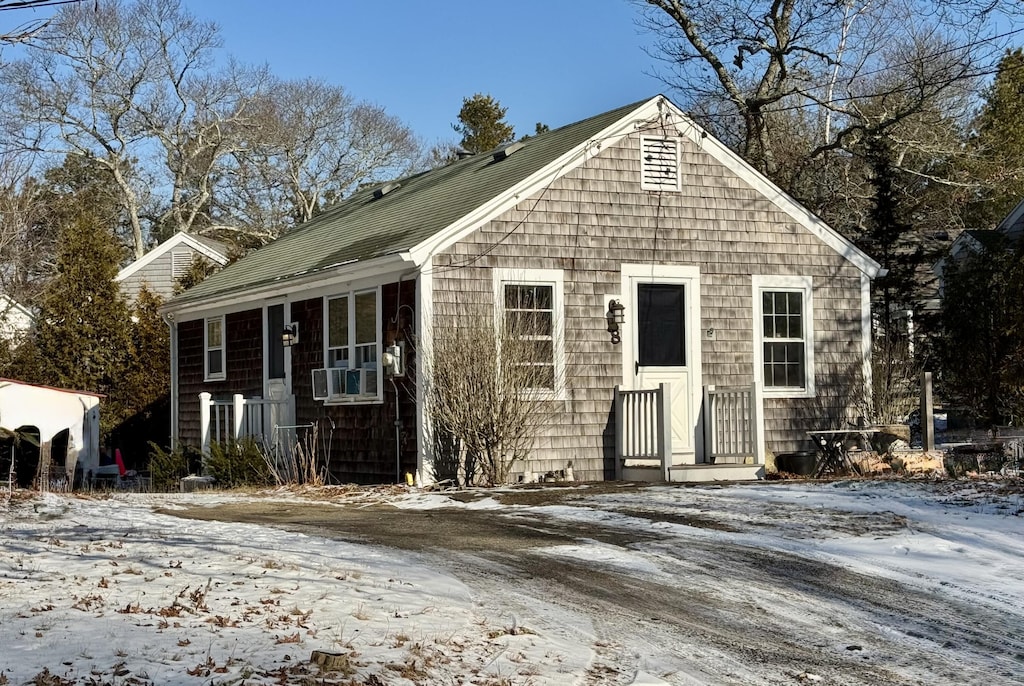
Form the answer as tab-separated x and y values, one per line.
553	61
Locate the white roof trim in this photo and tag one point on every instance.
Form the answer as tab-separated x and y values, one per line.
651	110
379	270
1012	218
174	241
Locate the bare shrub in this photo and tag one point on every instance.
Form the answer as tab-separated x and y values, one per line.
894	377
489	394
298	463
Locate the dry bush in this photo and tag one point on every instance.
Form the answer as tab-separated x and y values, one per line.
488	399
895	374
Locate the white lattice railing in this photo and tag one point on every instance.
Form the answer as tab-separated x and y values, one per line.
221	421
734	424
643	427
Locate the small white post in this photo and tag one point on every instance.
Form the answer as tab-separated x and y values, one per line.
757	420
204	422
619	435
927	413
238	410
665	429
709	424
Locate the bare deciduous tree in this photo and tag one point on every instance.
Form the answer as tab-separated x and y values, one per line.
759	58
312	144
92	76
28	30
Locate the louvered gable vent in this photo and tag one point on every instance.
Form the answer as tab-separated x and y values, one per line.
180	262
659	164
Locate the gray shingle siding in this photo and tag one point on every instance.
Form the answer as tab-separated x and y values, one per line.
592	220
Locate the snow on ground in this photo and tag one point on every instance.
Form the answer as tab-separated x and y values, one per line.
106	591
100	591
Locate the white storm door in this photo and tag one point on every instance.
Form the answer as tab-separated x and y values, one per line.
665	348
277	373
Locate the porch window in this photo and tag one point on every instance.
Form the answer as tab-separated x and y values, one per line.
213	344
784	352
530	314
352	336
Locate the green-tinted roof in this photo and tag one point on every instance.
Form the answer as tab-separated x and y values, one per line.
363	227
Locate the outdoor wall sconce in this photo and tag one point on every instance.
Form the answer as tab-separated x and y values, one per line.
290	335
615	316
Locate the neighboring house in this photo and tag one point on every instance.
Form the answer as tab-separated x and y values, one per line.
725	281
15	320
976	241
52	433
162	266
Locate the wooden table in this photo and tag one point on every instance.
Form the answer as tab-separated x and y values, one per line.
834	449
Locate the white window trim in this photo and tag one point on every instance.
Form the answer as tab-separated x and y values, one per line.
679	173
538	277
220	376
378	397
798	284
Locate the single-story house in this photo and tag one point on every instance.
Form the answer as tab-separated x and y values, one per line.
48	434
160	268
635	220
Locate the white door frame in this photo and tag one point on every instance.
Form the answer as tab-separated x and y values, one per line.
274	415
689	276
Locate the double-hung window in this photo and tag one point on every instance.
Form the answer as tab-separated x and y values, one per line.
529	317
213	345
352	329
784	335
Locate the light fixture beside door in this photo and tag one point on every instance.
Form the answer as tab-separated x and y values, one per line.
290	335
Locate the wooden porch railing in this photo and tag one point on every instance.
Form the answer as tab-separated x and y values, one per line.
643	427
221	421
734	424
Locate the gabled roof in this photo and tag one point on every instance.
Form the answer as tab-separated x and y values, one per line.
425	213
1012	225
211	249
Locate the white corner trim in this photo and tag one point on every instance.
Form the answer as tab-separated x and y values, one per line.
803	284
865	333
174	241
424	344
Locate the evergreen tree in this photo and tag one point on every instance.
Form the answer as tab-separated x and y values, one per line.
198	269
147	373
482	124
998	146
982	347
83	335
890	239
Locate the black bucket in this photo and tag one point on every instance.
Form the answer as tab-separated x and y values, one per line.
800	463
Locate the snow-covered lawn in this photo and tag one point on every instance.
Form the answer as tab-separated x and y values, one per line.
106	591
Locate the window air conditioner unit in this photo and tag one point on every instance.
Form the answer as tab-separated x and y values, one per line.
321	387
361	381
